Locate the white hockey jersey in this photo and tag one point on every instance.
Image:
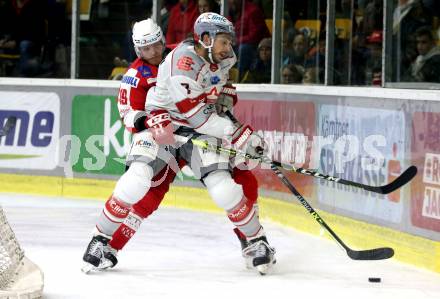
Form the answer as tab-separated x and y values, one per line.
187	87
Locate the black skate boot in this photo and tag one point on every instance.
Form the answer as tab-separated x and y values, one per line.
263	255
95	250
242	238
99	255
244	244
110	257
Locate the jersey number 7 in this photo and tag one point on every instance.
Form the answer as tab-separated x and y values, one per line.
186	86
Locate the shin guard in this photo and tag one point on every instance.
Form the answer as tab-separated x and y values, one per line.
126	231
113	214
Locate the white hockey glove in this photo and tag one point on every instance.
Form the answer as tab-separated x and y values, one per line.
244	138
226	100
159	124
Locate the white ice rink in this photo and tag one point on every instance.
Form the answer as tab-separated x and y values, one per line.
187	254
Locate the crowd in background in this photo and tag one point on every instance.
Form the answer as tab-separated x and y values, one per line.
35	38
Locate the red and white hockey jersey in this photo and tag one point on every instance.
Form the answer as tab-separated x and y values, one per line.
188	87
133	90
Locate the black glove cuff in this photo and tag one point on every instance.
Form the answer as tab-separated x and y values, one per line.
139	124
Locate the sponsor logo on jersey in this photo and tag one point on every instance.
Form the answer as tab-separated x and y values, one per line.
151	80
144	143
215	80
116	209
133	81
145	71
185	63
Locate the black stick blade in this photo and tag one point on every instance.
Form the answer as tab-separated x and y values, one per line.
403	179
371	254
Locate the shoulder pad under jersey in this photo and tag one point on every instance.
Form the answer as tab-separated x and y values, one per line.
185	61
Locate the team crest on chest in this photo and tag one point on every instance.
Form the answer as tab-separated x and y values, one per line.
185	63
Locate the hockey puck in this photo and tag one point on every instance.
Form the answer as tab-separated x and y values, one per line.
374	279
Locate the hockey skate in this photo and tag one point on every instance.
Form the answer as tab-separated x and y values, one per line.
244	244
261	254
99	255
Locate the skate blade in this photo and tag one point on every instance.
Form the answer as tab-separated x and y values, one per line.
88	268
248	263
265	268
104	265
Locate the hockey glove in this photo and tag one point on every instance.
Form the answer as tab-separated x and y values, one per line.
244	138
226	100
159	124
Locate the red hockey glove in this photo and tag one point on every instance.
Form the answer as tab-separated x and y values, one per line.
159	124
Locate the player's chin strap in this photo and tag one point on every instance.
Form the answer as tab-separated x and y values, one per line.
209	48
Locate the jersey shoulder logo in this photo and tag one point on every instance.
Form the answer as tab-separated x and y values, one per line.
145	71
133	81
185	63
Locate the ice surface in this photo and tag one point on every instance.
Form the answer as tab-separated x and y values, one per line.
186	254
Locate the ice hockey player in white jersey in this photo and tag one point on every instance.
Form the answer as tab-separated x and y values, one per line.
119	219
189	82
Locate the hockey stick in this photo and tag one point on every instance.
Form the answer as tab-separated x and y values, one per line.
401	180
370	254
9	124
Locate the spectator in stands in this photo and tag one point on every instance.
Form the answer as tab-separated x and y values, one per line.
316	55
260	70
291	74
373	65
120	68
28	25
250	29
300	46
313	75
426	67
181	21
167	5
208	6
287	39
373	17
266	6
408	16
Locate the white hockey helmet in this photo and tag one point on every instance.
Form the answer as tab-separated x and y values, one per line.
146	33
212	24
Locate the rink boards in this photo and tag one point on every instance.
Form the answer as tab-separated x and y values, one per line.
368	135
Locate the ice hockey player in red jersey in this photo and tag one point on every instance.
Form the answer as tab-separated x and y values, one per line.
188	85
123	213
